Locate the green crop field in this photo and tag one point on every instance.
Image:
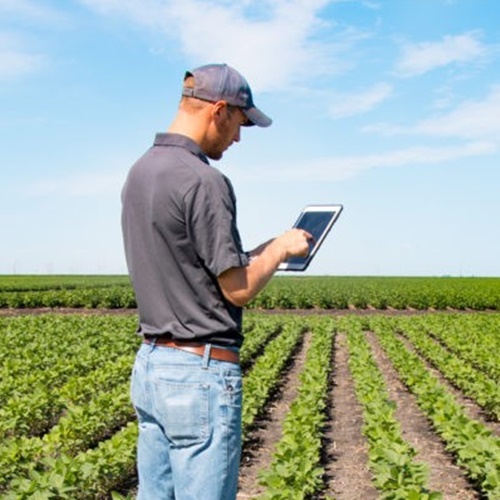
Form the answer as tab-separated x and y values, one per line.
354	387
324	292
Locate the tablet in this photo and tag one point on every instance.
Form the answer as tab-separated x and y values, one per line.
317	220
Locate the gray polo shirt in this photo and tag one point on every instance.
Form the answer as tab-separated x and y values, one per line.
180	233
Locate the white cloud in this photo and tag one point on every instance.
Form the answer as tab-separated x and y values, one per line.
274	44
13	64
15	60
340	168
17	57
471	120
86	184
343	105
30	9
419	58
372	5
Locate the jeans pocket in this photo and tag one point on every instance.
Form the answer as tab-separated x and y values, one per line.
183	410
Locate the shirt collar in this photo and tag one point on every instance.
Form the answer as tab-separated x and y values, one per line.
182	141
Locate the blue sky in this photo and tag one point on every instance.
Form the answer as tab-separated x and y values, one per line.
390	107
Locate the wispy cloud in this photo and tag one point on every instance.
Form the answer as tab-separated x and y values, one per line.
86	184
474	123
339	168
274	43
372	5
479	119
419	58
472	120
30	10
18	54
15	60
344	105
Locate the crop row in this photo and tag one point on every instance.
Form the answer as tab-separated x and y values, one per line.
473	445
286	292
392	459
263	378
296	470
31	282
327	292
474	338
461	373
107	297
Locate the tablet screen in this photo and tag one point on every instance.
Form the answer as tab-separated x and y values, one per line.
316	220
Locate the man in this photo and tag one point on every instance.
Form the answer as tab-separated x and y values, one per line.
192	278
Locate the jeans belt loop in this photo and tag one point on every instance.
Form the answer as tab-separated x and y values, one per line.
206	356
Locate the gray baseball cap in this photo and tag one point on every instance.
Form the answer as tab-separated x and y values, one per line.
220	82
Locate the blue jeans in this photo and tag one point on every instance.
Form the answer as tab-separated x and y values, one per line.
189	412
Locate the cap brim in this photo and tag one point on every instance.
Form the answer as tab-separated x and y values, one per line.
257	117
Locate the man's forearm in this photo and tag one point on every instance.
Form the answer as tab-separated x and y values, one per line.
241	284
258	250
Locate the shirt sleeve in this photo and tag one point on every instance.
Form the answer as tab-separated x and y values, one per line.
211	224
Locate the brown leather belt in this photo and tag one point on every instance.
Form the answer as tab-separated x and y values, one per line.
198	348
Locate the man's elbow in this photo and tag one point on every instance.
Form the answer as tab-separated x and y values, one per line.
237	299
234	286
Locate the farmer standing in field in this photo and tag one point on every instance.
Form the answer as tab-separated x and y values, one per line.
191	279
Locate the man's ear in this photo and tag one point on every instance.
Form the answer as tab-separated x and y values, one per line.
219	110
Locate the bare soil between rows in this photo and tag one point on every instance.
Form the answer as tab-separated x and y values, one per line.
306	312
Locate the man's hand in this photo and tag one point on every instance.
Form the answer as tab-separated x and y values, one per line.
295	243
